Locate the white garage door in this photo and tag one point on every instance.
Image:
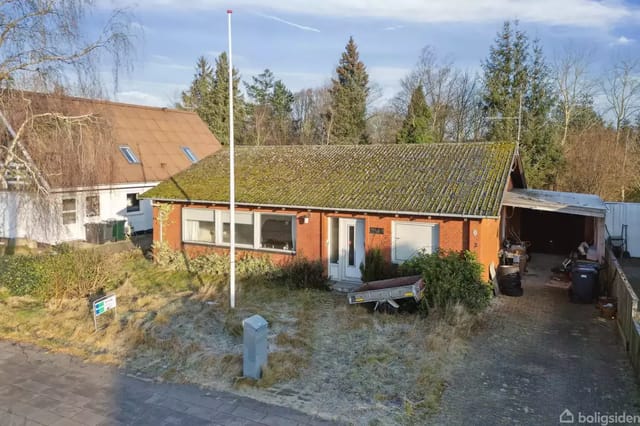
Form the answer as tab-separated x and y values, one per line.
411	237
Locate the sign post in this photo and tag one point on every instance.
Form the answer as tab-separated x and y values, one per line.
103	305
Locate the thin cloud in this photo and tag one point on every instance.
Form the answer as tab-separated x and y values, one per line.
574	13
293	24
622	41
393	28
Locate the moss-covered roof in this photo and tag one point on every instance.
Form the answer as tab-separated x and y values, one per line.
440	179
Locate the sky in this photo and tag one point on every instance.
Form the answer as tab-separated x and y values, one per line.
301	41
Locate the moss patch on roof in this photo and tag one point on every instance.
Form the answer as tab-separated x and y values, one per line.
441	179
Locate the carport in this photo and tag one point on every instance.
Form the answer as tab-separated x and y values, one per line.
555	222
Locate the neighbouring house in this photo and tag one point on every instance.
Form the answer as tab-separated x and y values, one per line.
82	161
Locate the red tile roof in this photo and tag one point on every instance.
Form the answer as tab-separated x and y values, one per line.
155	135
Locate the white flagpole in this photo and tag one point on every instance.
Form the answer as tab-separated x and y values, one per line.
232	182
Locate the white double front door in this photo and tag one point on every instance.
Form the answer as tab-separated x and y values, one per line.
346	248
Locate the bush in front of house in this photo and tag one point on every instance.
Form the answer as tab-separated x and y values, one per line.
300	272
450	278
64	274
375	267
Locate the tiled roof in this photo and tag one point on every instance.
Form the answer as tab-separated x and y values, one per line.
440	179
155	135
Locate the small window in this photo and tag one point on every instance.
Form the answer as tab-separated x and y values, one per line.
129	155
276	231
69	211
190	155
334	242
198	225
92	206
133	204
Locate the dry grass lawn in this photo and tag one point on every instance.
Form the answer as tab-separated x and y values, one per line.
326	357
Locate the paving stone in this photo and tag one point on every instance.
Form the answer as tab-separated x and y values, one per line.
43	388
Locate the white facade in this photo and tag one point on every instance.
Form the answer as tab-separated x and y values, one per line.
619	214
63	216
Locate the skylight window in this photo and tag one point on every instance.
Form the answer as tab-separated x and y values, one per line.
190	155
129	155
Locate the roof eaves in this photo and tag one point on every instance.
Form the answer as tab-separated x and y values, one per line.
330	209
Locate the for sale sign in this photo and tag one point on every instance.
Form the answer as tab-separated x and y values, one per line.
102	305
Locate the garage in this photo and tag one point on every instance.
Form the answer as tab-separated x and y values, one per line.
555	222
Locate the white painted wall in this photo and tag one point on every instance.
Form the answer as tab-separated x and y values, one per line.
619	214
22	217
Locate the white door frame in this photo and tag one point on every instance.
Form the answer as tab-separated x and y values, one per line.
351	248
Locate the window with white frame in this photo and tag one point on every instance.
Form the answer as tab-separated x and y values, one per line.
92	206
133	204
68	211
244	228
253	230
276	231
198	225
411	237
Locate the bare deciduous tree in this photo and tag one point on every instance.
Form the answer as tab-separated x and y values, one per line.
43	46
622	91
572	84
621	88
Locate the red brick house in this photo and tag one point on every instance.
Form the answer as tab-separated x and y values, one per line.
335	202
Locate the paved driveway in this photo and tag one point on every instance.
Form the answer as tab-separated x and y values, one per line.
39	388
539	356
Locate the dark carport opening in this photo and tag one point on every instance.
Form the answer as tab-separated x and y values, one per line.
555	222
553	233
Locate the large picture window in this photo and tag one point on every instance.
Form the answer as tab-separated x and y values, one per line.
198	225
276	231
253	230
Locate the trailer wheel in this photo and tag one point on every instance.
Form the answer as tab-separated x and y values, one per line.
385	308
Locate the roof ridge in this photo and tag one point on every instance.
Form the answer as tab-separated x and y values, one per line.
104	101
370	146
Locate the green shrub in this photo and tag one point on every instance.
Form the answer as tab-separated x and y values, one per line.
301	272
64	274
22	274
450	278
375	267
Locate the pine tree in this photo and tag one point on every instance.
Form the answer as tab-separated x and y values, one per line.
505	81
198	97
219	125
541	154
416	127
270	110
518	98
349	91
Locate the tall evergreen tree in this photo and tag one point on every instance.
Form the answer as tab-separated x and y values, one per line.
198	97
349	91
416	127
505	82
220	102
541	152
270	110
518	98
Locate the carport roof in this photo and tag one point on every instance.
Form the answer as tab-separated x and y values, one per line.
554	201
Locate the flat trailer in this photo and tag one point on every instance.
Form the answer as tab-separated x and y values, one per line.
388	291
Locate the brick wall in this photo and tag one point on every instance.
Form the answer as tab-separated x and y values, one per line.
479	236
